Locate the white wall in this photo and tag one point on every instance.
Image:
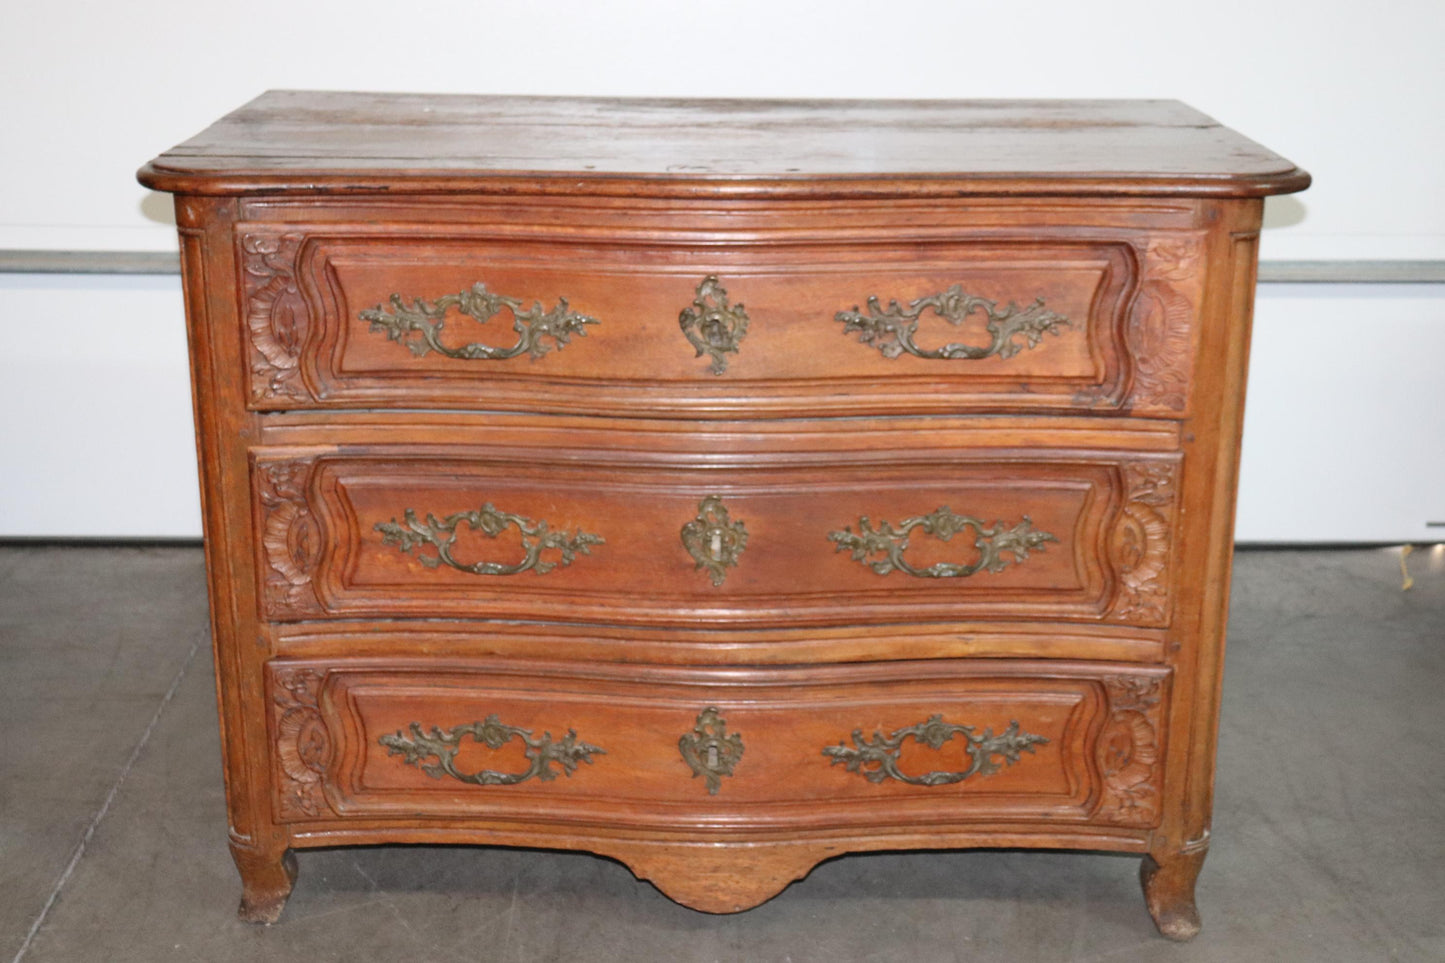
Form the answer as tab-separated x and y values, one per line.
1345	432
1342	437
1354	92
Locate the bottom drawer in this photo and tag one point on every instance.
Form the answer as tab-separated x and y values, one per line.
729	750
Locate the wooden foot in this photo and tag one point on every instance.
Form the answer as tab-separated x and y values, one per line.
1168	881
266	881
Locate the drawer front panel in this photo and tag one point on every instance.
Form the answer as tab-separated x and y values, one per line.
730	749
419	320
566	536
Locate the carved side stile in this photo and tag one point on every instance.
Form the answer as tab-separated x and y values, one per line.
290	539
303	746
1142	543
1130	752
277	318
1161	327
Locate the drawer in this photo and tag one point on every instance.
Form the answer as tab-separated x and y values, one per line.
686	539
898	744
682	327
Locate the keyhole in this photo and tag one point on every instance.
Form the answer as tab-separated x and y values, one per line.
712	757
715	332
717	546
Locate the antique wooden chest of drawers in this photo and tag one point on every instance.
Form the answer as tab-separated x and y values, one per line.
719	486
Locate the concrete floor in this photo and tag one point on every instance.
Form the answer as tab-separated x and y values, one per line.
1329	841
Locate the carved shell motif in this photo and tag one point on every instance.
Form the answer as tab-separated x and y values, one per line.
1129	752
290	538
276	316
1161	326
1141	544
303	747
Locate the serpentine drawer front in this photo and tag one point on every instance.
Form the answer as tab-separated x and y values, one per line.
719	487
544	535
883	747
341	318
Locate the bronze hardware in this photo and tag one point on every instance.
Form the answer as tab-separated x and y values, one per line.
942	523
712	326
876	759
713	539
891	331
425	320
444	745
710	749
442	533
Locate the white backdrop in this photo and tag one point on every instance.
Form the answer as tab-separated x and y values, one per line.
1354	92
1344	439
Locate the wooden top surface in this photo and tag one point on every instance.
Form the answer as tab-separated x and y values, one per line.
358	142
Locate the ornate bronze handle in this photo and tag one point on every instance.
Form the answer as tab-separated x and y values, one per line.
444	745
419	327
891	331
710	750
442	533
942	523
713	539
876	759
713	326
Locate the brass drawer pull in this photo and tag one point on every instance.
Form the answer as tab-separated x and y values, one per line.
444	745
710	750
442	533
419	327
711	325
713	539
992	543
876	759
891	331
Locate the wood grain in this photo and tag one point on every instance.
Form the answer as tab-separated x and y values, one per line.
1118	436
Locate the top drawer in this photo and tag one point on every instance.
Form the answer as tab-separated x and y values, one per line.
415	317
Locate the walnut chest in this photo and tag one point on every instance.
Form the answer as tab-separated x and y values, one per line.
719	486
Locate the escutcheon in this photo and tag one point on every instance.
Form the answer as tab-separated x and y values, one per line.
714	327
713	539
710	750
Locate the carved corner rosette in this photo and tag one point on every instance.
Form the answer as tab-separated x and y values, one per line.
1142	543
1160	331
290	539
276	316
713	326
710	750
303	747
1130	751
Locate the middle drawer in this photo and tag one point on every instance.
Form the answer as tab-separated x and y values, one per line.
684	539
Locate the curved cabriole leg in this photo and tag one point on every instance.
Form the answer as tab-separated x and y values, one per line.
266	880
1168	880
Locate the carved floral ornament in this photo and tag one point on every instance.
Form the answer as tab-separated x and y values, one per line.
303	747
290	537
1130	753
276	315
1160	331
1141	543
